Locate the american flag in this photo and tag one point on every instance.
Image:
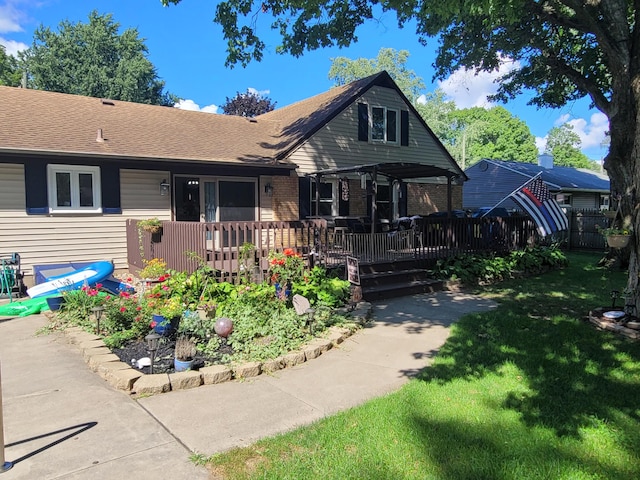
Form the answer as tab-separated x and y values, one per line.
535	199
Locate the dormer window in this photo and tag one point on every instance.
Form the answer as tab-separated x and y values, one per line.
384	125
379	124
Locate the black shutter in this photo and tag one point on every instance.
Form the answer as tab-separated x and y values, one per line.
304	196
35	184
404	128
402	203
363	122
110	177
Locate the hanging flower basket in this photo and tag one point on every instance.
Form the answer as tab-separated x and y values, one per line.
618	241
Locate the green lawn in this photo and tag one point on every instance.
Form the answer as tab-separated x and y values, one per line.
527	391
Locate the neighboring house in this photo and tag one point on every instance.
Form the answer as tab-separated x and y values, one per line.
490	181
73	169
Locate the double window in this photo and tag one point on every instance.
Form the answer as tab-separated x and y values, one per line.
384	125
327	204
73	189
378	124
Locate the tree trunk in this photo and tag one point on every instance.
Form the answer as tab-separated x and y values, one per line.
623	166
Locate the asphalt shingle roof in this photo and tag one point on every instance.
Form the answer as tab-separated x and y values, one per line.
48	122
561	178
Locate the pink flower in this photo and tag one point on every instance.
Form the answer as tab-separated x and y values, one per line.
123	309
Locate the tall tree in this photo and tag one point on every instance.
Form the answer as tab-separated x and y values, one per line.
493	133
93	59
344	70
10	74
438	113
564	145
561	50
248	104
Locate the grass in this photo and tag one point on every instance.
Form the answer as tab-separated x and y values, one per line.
527	391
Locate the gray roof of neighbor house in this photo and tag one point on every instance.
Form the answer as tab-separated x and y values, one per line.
57	123
559	179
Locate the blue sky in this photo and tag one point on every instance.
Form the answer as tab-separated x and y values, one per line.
188	51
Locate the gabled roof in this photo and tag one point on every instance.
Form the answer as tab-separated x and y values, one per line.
62	124
558	179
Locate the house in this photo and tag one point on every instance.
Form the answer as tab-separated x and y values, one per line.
491	181
73	169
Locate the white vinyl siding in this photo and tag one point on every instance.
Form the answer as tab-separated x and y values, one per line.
336	144
42	239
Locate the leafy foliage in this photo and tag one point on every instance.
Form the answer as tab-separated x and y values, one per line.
344	70
94	60
10	74
564	144
249	104
476	268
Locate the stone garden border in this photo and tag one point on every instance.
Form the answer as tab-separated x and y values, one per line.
124	377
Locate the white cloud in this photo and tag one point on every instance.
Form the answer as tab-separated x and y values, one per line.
10	18
591	133
259	93
468	89
193	106
12	47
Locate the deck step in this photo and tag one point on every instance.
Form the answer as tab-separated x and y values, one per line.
401	289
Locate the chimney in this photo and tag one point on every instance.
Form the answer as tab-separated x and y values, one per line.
546	161
99	137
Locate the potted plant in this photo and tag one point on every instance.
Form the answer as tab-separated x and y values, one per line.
285	269
154	269
151	225
184	355
616	237
166	314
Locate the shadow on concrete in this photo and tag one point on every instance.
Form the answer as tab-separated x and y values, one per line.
75	430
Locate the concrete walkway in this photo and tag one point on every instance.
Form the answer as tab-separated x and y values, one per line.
63	421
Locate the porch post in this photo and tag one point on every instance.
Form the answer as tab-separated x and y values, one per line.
374	194
318	176
449	197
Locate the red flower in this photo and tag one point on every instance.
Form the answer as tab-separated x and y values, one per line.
153	324
123	309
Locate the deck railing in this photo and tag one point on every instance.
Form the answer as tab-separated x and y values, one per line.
185	245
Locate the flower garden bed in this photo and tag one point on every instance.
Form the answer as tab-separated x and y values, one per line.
119	372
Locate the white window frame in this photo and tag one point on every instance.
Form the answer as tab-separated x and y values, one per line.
333	201
74	171
385	112
564	199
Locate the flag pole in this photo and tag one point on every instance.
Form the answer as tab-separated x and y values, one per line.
521	186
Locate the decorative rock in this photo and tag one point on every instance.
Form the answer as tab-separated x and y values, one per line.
294	358
87	345
105	369
311	352
88	353
123	379
80	337
95	360
324	343
152	384
185	380
246	370
270	366
223	327
215	374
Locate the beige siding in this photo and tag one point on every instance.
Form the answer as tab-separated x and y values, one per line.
266	202
44	239
337	145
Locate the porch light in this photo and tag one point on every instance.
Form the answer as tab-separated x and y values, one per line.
268	190
164	187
